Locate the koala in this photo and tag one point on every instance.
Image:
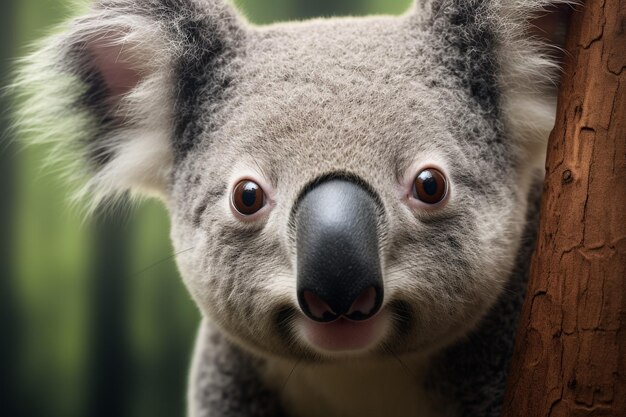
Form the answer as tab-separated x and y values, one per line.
353	200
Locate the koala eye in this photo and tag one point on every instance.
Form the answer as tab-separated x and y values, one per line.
248	197
430	186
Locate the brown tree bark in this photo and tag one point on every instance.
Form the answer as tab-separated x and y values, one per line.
570	352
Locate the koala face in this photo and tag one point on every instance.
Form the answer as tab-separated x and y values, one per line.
335	110
337	187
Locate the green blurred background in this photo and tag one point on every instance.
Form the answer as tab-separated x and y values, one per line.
86	328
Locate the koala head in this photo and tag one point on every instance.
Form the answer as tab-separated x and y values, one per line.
347	186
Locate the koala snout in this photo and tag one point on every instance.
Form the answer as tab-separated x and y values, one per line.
338	262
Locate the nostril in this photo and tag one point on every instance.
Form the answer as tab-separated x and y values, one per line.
365	306
316	308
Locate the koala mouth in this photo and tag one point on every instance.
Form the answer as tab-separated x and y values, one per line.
343	334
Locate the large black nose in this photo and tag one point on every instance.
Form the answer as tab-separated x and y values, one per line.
338	260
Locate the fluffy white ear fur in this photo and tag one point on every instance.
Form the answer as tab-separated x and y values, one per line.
116	137
529	53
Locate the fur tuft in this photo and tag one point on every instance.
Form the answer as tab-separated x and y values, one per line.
529	70
107	144
104	91
521	40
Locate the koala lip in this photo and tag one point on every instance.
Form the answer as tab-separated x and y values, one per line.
344	335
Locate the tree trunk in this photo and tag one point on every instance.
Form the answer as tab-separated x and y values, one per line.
570	353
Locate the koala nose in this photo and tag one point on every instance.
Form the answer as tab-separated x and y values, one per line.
338	261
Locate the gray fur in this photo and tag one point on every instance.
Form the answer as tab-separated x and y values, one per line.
473	371
460	85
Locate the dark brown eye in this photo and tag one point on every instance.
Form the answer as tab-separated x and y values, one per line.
430	186
248	197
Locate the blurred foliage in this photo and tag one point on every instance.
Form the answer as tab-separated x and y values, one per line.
87	330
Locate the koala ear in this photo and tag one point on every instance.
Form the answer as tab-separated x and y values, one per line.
531	37
549	24
507	54
115	90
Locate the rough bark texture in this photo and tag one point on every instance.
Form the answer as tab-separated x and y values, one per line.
570	353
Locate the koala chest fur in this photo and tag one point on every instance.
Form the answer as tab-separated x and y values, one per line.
351	199
387	387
